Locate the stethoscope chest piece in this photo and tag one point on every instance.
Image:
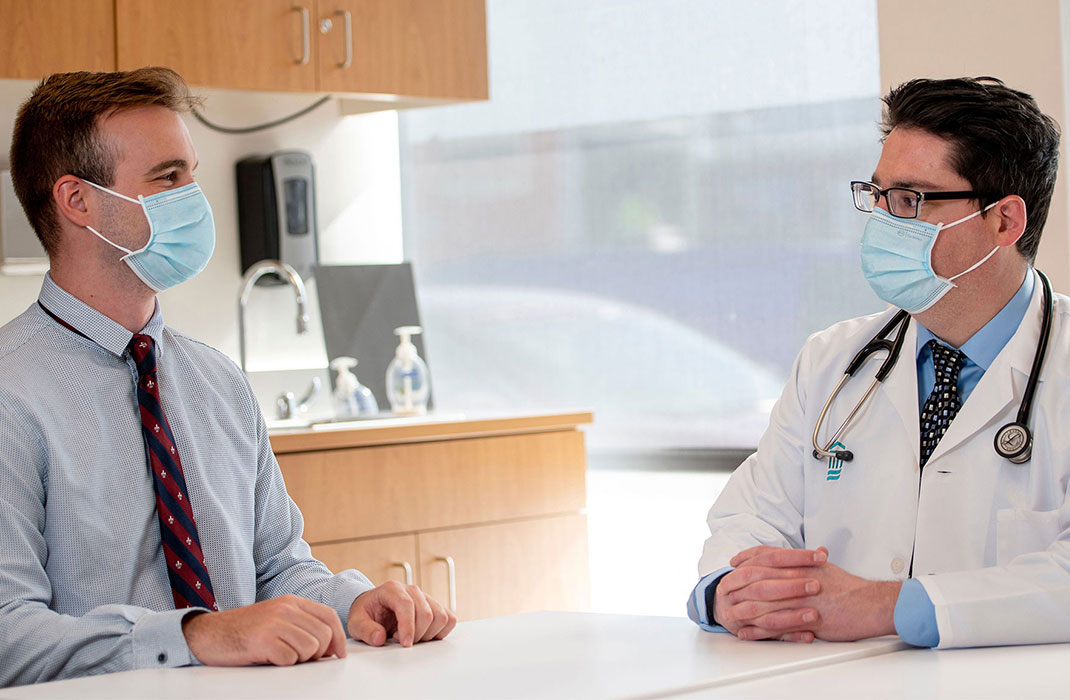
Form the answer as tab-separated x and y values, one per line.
1014	442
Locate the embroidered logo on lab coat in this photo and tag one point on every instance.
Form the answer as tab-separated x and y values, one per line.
835	463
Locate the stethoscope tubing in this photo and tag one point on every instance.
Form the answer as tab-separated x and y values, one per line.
881	342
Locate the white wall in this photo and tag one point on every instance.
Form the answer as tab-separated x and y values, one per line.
358	203
1022	43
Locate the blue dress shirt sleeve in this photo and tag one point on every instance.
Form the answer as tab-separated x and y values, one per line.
915	615
697	608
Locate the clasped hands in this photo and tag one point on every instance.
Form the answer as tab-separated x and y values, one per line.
796	595
290	629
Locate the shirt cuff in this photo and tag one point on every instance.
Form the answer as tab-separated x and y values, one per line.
696	602
351	583
159	641
915	616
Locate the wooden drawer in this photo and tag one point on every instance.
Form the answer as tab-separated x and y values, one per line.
391	489
509	568
381	559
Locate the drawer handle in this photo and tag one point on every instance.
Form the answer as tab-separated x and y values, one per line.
347	24
408	571
451	567
306	38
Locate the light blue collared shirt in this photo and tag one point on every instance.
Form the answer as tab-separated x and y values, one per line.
83	582
915	614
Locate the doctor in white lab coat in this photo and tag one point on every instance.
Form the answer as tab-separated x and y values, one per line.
960	547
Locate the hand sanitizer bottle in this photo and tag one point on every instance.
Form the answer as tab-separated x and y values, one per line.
407	385
351	398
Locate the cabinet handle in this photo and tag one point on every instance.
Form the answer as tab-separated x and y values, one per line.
306	36
348	17
451	567
408	571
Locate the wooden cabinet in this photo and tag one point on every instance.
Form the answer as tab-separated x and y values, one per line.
419	48
498	501
392	49
55	36
257	45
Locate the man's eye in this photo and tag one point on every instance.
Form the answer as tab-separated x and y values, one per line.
169	176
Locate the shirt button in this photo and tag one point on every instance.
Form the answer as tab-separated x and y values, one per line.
162	658
897	565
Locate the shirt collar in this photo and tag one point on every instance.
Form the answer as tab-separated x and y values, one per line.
92	324
983	347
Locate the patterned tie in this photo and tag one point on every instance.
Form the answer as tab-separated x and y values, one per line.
943	403
190	584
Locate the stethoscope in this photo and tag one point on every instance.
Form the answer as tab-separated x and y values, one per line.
1013	441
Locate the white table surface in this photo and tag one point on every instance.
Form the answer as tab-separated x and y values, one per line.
536	655
1007	673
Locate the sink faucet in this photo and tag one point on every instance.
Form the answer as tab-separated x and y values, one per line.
289	275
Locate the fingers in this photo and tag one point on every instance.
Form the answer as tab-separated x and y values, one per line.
442	623
780	557
333	637
748	575
408	612
782	615
451	622
775	589
803	637
424	613
304	644
794	625
404	608
367	630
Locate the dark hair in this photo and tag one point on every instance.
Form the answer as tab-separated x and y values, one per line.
1001	142
56	133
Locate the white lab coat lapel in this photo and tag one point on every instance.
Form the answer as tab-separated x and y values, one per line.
1002	384
901	389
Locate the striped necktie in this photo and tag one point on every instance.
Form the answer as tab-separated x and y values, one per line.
943	403
190	584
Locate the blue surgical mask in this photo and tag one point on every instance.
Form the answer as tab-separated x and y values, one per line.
181	236
897	260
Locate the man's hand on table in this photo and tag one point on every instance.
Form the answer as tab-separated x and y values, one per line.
290	629
796	595
281	631
404	612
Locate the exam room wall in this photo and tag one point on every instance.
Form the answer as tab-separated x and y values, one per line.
358	203
1025	44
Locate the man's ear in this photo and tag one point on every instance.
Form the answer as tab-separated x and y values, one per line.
1011	218
69	194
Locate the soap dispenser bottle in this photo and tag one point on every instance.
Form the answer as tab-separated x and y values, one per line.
407	385
351	398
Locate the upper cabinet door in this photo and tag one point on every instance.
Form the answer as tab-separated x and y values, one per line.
413	48
242	44
55	36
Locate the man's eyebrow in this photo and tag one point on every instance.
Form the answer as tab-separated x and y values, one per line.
179	163
922	185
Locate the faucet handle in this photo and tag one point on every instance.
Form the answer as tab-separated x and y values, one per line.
286	406
310	394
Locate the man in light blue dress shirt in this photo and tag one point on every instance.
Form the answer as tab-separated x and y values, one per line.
964	549
84	587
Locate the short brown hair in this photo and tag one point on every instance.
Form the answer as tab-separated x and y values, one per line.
56	133
1000	140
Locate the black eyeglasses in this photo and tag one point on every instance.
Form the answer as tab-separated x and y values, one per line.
902	202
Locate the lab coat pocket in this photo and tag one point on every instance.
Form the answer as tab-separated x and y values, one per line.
1020	531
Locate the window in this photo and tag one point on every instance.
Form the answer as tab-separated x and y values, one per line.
649	216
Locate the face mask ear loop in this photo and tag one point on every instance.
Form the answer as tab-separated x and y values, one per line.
941	227
973	267
113	245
